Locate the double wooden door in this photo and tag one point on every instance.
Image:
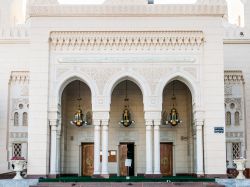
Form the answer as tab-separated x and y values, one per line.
166	159
126	151
87	159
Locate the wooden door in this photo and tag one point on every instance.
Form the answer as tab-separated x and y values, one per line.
166	159
87	159
123	150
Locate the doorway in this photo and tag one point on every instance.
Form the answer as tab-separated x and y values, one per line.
126	151
166	159
87	159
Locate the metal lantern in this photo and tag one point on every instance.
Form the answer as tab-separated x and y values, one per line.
173	118
78	119
126	120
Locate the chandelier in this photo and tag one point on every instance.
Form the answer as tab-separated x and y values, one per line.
126	116
173	118
78	116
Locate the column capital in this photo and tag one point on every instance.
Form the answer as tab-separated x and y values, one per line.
53	122
104	122
157	122
152	115
148	122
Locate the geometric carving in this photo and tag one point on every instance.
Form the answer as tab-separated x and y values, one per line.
228	89
126	40
236	101
233	76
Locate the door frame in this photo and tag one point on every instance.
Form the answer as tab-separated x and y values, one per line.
81	154
118	156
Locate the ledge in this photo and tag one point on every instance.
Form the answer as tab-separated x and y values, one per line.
104	10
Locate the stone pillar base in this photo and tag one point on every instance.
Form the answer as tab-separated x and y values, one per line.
153	175
96	176
106	176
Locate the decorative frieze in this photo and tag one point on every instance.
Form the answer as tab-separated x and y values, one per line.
233	76
126	40
14	35
18	135
19	76
234	134
215	7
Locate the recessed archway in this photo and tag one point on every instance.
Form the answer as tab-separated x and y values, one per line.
75	139
177	139
127	142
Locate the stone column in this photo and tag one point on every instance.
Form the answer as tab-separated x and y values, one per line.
105	137
149	150
53	147
58	151
97	147
157	170
199	148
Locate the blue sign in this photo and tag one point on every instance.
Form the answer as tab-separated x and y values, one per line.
219	130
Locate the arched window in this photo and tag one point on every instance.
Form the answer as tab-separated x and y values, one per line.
16	119
25	119
237	118
228	118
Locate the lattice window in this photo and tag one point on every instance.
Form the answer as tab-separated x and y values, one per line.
17	149
236	150
228	118
16	116
25	119
237	118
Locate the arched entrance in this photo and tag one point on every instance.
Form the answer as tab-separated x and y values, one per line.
127	141
77	142
177	144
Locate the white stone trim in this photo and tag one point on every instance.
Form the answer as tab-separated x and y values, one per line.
201	9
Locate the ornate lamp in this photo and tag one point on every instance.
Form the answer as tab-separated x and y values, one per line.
126	120
173	118
78	116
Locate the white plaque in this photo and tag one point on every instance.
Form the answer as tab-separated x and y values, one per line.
128	162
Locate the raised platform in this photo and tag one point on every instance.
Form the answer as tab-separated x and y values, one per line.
126	184
132	179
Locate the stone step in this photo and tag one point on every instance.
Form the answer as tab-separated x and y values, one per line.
126	184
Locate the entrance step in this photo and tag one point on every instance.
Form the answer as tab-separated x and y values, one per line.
127	184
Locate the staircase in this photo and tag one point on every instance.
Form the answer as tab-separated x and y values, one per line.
126	184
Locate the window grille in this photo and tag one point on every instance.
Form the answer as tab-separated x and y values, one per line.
25	119
17	149
236	150
16	119
237	118
228	118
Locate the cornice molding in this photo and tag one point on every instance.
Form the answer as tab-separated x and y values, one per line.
233	76
127	10
126	40
18	34
19	76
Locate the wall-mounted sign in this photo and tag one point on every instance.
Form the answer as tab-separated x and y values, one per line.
219	130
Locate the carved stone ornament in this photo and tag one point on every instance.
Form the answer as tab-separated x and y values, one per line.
126	40
233	76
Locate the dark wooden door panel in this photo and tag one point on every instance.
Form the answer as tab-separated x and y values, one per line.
87	159
167	159
123	156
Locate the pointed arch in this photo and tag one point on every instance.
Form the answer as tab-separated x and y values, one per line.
129	75
62	83
182	77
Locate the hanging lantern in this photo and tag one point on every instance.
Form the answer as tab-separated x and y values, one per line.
126	120
173	118
78	116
